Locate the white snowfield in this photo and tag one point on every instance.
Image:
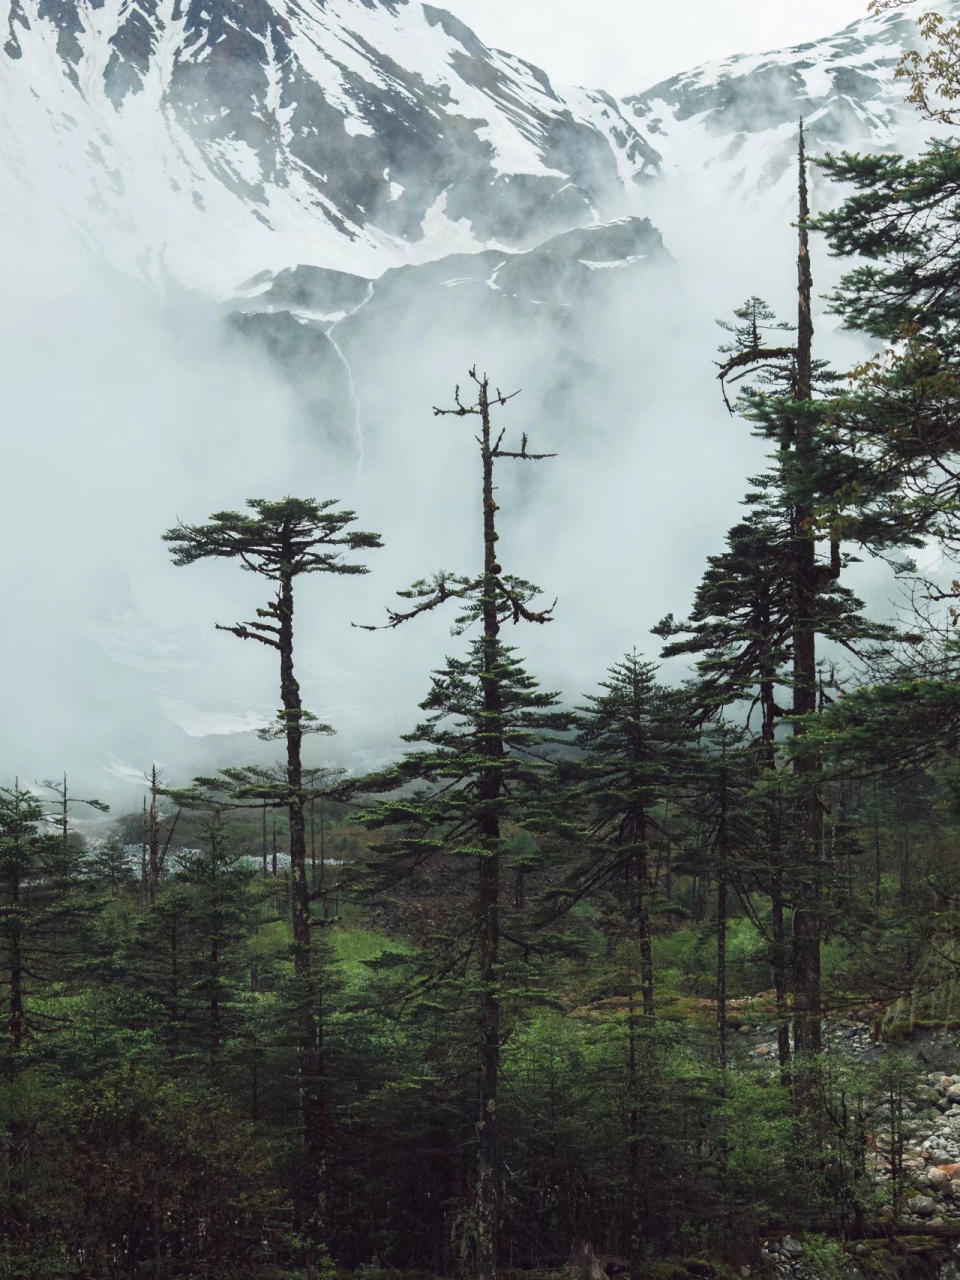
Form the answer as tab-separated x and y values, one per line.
181	143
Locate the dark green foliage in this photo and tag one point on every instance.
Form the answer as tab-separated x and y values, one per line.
902	219
134	1174
741	625
109	868
446	813
294	534
903	406
43	919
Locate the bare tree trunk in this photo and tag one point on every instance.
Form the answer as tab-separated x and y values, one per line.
144	846
644	936
633	1136
64	816
781	971
488	1194
214	1001
263	838
809	815
323	869
17	1198
215	998
154	840
877	881
780	958
15	1022
311	1098
905	868
722	971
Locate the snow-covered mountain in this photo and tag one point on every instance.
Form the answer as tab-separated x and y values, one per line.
737	118
233	135
212	139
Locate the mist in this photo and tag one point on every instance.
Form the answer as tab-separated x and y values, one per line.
132	403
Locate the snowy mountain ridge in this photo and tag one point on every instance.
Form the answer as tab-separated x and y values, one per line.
739	115
342	133
208	140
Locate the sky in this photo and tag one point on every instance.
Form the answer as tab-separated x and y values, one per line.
628	45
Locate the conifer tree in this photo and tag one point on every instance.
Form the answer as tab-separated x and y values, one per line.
825	490
723	807
904	409
108	866
61	815
41	919
794	422
486	717
218	912
635	739
741	630
281	542
900	222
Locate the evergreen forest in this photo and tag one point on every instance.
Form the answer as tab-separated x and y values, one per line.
658	980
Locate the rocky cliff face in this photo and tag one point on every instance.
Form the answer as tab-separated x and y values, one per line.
334	335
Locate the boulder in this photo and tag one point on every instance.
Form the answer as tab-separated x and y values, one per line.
938	1177
923	1206
794	1249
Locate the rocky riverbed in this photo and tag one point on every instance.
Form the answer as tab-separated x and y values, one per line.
932	1159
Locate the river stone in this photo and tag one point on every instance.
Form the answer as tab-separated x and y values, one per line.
923	1206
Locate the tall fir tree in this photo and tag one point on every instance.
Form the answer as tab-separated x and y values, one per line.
826	490
635	740
282	541
486	719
